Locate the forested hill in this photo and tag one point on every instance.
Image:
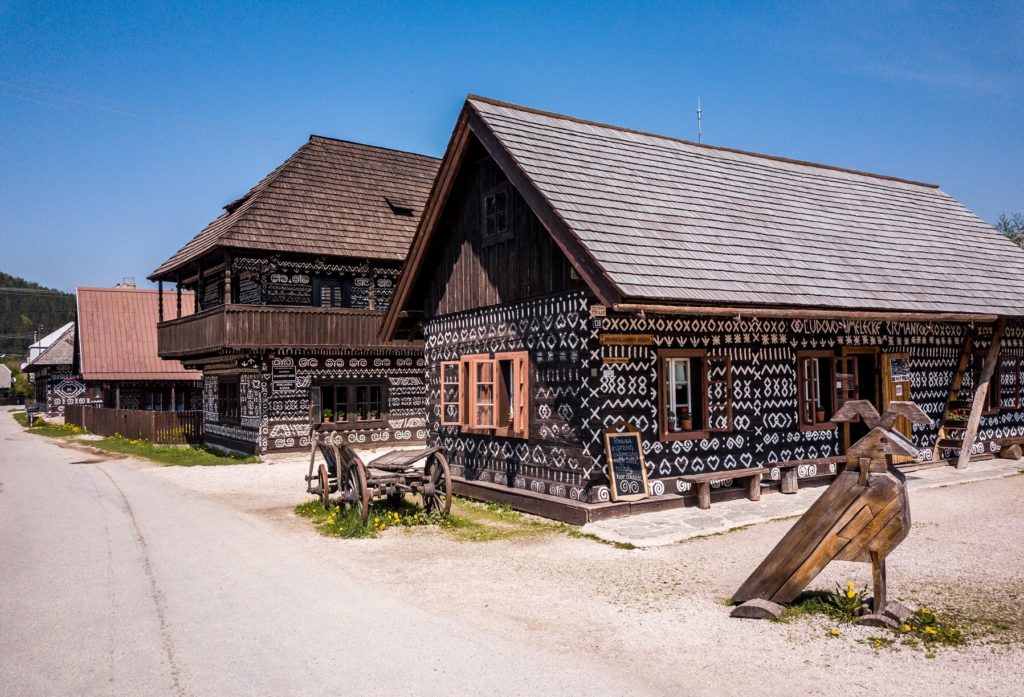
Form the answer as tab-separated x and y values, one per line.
24	306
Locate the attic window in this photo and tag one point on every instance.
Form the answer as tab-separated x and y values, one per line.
496	218
398	208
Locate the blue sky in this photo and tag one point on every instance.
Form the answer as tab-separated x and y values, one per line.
124	127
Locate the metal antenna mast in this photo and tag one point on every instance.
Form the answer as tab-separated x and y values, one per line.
699	114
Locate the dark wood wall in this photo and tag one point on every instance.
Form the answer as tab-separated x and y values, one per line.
462	273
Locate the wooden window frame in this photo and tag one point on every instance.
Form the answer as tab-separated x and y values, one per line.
520	398
344	285
350	387
444	420
229	418
704	430
801	402
499	235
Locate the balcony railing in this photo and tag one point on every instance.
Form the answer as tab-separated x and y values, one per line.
236	327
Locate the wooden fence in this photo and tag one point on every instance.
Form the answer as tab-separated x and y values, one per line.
163	427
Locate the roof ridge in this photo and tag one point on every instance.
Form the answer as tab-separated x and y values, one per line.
372	147
720	148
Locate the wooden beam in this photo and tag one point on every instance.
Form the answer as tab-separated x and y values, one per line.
800	313
227	278
177	286
160	300
981	392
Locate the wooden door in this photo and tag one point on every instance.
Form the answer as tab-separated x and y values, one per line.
857	378
896	388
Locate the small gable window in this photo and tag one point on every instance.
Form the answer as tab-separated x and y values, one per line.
496	214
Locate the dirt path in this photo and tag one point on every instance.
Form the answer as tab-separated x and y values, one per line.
662	608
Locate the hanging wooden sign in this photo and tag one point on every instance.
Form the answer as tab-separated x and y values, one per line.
627	471
627	339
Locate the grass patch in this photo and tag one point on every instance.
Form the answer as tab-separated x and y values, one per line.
923	629
469	521
185	456
41	428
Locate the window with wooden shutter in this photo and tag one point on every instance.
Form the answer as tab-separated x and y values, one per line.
815	380
718	393
451	394
694	394
495	393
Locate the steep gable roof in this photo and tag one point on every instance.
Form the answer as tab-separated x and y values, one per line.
117	335
332	198
59	350
647	218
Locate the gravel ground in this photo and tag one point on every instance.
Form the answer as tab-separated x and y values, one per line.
661	609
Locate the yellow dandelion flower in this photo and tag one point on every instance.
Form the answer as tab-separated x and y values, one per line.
850	585
833	632
930	630
851	594
906	628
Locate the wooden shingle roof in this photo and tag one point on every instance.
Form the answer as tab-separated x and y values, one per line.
330	198
117	335
677	222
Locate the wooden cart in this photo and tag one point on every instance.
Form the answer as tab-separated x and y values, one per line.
424	472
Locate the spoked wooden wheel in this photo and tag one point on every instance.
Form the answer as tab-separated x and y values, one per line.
355	492
437	492
325	487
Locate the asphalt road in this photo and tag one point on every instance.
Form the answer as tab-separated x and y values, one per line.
114	582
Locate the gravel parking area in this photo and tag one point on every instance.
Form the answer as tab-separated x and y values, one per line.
662	608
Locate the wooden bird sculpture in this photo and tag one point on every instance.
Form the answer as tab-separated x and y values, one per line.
862	515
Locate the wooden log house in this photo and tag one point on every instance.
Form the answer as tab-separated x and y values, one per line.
569	277
108	358
292	281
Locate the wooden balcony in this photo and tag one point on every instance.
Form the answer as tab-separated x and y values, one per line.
230	328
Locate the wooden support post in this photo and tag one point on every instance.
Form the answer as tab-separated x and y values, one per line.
754	488
878	579
790	481
174	402
160	299
117	397
199	286
703	495
981	392
178	286
227	279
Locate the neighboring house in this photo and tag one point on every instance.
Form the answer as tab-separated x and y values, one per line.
108	357
117	357
6	381
293	280
568	277
52	369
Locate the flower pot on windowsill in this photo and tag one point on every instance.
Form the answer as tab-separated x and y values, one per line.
820	416
687	424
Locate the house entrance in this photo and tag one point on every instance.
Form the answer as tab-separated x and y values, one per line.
858	377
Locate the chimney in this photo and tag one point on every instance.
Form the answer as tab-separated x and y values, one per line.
126	282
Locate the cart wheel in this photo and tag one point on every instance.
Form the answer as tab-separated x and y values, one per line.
356	493
439	476
325	487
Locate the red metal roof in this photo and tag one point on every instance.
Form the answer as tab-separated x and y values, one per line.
117	334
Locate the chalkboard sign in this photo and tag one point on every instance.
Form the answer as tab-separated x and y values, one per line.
283	379
627	471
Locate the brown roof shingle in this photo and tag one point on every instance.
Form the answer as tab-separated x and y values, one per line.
331	197
117	335
674	221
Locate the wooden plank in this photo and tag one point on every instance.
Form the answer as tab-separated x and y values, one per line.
798	312
980	392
